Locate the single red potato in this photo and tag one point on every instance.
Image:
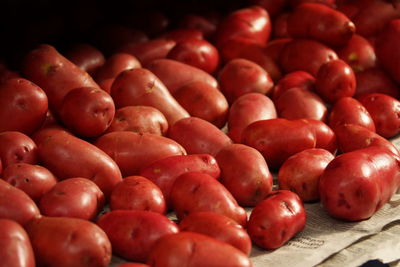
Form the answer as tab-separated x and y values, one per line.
16	147
133	232
87	57
137	193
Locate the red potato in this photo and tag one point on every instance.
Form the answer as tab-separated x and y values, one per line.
87	111
325	136
217	226
182	35
198	136
87	57
278	139
252	23
23	106
140	119
197	53
244	173
300	173
335	80
247	109
177	250
384	111
73	197
358	53
352	137
140	87
133	232
34	180
200	23
300	79
148	51
137	193
164	172
240	76
203	101
55	74
357	194
306	55
320	22
280	29
67	156
16	147
17	249
301	103
132	151
350	111
374	80
166	69
61	241
276	220
273	7
16	205
195	191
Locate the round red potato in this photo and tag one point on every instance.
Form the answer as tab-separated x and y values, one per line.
177	250
300	173
23	106
240	76
244	173
63	242
17	249
133	232
34	180
87	57
73	197
139	119
217	226
16	147
137	193
276	220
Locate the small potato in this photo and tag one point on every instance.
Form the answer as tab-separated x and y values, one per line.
16	147
87	57
300	79
64	242
17	249
137	193
73	197
300	173
133	232
139	119
177	250
34	180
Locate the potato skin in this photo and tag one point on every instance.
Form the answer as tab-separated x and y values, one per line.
244	173
67	156
16	147
17	250
276	220
24	102
60	241
177	250
133	232
300	79
375	80
358	194
87	57
325	136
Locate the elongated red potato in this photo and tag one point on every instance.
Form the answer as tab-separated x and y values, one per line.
320	22
132	151
244	173
137	193
17	249
299	79
247	109
24	102
61	241
198	136
195	191
375	80
177	250
325	136
67	156
140	119
87	57
164	172
34	180
300	173
16	147
357	194
16	205
140	87
133	232
278	139
277	219
217	226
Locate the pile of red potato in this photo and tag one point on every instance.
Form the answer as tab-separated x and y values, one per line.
192	120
